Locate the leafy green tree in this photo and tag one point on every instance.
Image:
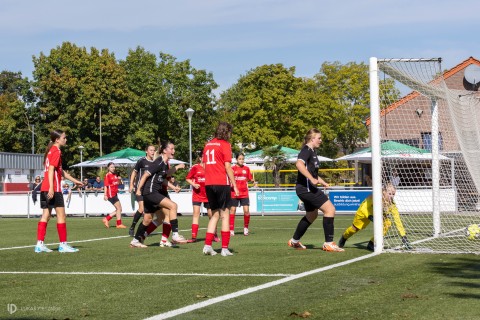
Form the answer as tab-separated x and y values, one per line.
163	90
275	160
16	118
263	106
346	89
73	86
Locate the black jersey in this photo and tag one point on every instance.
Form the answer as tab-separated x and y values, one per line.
142	164
309	157
158	177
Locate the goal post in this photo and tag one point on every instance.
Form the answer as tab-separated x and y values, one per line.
436	133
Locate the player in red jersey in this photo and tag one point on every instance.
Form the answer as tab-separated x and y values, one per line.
111	183
196	178
217	159
51	196
242	175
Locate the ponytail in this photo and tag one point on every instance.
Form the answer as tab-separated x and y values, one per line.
54	135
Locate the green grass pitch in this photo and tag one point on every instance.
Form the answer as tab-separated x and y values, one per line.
145	282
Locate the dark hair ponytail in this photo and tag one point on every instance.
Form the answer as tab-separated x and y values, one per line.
54	135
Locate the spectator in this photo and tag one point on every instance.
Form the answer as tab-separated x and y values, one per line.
368	181
36	185
98	184
87	186
66	189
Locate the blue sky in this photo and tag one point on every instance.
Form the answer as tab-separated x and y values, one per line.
230	37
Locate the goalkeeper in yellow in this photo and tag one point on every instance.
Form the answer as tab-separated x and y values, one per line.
364	216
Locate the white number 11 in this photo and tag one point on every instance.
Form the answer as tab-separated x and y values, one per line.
211	153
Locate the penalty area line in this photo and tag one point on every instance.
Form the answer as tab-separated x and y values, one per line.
203	304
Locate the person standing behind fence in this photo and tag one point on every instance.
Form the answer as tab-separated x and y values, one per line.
313	198
217	158
242	175
110	193
51	196
137	172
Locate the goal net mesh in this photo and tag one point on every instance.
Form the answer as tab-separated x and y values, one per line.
438	187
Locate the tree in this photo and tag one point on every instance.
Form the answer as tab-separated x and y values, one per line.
275	160
16	118
263	106
72	86
346	88
163	90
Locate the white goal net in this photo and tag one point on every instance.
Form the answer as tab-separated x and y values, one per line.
430	149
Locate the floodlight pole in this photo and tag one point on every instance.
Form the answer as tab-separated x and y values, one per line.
81	160
190	112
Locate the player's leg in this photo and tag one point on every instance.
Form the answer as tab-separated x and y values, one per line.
118	212
328	226
195	222
42	225
173	207
62	230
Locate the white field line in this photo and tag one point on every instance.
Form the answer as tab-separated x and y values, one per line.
203	304
148	274
81	241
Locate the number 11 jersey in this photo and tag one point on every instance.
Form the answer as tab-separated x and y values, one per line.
215	154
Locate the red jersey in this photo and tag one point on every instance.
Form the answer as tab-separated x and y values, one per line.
215	154
54	158
197	175
242	175
111	182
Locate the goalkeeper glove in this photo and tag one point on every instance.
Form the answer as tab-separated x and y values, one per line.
370	217
406	244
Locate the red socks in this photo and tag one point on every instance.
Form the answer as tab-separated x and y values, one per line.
232	222
41	231
108	217
194	231
119	222
209	238
151	227
62	232
225	239
246	221
167	228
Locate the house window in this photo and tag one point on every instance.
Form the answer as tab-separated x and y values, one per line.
427	141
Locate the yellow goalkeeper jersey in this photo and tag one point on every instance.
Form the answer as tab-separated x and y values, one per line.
366	209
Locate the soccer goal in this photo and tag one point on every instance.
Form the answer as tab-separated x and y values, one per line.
425	136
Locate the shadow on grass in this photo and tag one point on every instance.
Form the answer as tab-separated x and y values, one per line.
466	272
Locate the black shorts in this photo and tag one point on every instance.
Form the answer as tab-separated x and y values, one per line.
218	196
313	200
198	203
139	198
113	200
151	202
55	202
235	202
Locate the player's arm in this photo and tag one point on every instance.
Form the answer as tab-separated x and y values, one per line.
132	179
228	168
105	189
398	223
142	181
78	183
174	169
51	173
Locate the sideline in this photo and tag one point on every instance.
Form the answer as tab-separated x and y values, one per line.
200	305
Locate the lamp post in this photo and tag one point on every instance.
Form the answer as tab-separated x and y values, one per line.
81	160
190	112
33	139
